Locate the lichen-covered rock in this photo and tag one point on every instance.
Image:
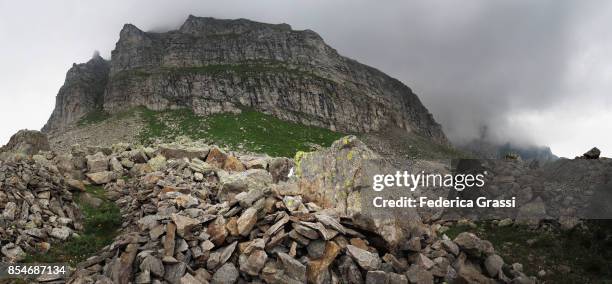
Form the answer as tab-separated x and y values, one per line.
235	183
97	163
335	177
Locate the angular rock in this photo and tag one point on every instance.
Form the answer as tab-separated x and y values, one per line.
143	277
75	184
186	201
293	268
365	259
220	256
330	222
226	274
13	252
254	262
10	209
216	157
493	264
292	203
470	274
232	164
189	279
154	265
62	233
316	249
236	183
376	277
97	163
217	231
179	151
169	241
418	274
123	267
174	272
247	221
102	177
115	165
317	266
451	247
473	245
352	164
157	163
201	167
592	154
423	261
279	169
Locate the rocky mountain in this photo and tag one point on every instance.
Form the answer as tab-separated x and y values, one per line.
211	66
82	93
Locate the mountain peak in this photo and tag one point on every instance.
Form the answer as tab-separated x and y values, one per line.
213	65
212	26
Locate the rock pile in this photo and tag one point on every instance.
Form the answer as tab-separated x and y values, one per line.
197	214
37	208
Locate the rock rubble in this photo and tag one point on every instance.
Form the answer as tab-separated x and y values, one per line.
211	216
36	205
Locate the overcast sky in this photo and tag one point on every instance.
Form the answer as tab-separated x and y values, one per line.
536	72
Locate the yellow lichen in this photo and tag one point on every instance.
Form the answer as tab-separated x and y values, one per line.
298	160
348	183
350	155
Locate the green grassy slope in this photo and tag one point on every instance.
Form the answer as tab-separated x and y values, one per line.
258	132
249	130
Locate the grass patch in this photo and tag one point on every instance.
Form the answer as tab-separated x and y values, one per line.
93	117
250	130
586	252
100	227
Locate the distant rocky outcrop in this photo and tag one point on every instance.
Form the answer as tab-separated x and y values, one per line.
82	93
27	142
211	66
485	149
592	154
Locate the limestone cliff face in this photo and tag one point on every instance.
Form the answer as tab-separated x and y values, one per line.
212	66
82	92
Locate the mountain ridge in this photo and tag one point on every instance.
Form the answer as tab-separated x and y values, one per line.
212	66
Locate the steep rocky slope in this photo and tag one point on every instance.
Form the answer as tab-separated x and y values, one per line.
211	66
82	93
